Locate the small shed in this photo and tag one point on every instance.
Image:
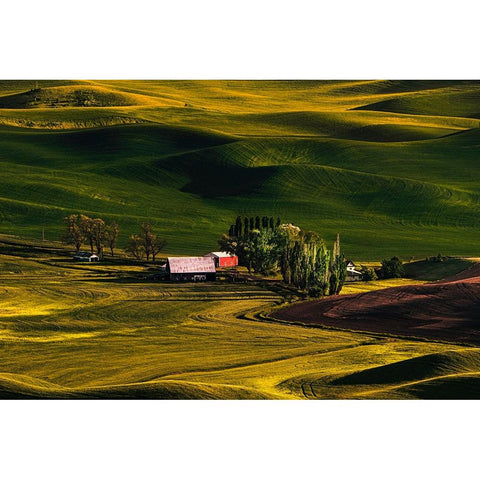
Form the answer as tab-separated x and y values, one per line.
223	259
86	257
191	269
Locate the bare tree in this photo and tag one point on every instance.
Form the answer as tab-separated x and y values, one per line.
152	244
98	233
135	247
111	235
74	234
158	244
146	233
87	228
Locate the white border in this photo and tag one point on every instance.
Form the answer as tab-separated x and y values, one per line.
238	40
238	439
254	39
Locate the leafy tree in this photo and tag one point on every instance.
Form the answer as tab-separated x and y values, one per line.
392	268
304	260
288	236
264	254
301	256
368	273
240	246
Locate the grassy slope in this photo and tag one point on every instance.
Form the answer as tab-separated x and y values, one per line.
93	331
396	179
390	183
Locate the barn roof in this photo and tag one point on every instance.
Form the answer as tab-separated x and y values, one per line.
220	254
355	272
191	265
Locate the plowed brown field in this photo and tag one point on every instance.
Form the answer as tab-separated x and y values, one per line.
447	310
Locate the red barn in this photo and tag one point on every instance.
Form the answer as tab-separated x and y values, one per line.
223	259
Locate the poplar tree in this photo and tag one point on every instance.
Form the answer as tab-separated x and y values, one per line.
238	227
338	269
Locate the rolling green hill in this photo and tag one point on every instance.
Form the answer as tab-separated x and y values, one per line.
393	166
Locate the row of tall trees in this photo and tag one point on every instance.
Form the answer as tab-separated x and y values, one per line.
307	263
300	256
94	232
97	234
244	225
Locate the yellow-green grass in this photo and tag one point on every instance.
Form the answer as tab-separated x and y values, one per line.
362	287
72	330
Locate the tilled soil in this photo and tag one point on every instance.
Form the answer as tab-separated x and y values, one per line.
447	311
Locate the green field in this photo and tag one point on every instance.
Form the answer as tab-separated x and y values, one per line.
106	330
390	165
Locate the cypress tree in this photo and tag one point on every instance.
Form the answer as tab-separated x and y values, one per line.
271	223
278	221
252	223
245	223
257	222
338	269
238	226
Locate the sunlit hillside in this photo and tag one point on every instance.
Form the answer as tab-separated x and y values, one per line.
390	165
108	330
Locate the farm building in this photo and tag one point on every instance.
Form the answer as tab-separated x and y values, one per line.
191	269
86	257
223	259
353	275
